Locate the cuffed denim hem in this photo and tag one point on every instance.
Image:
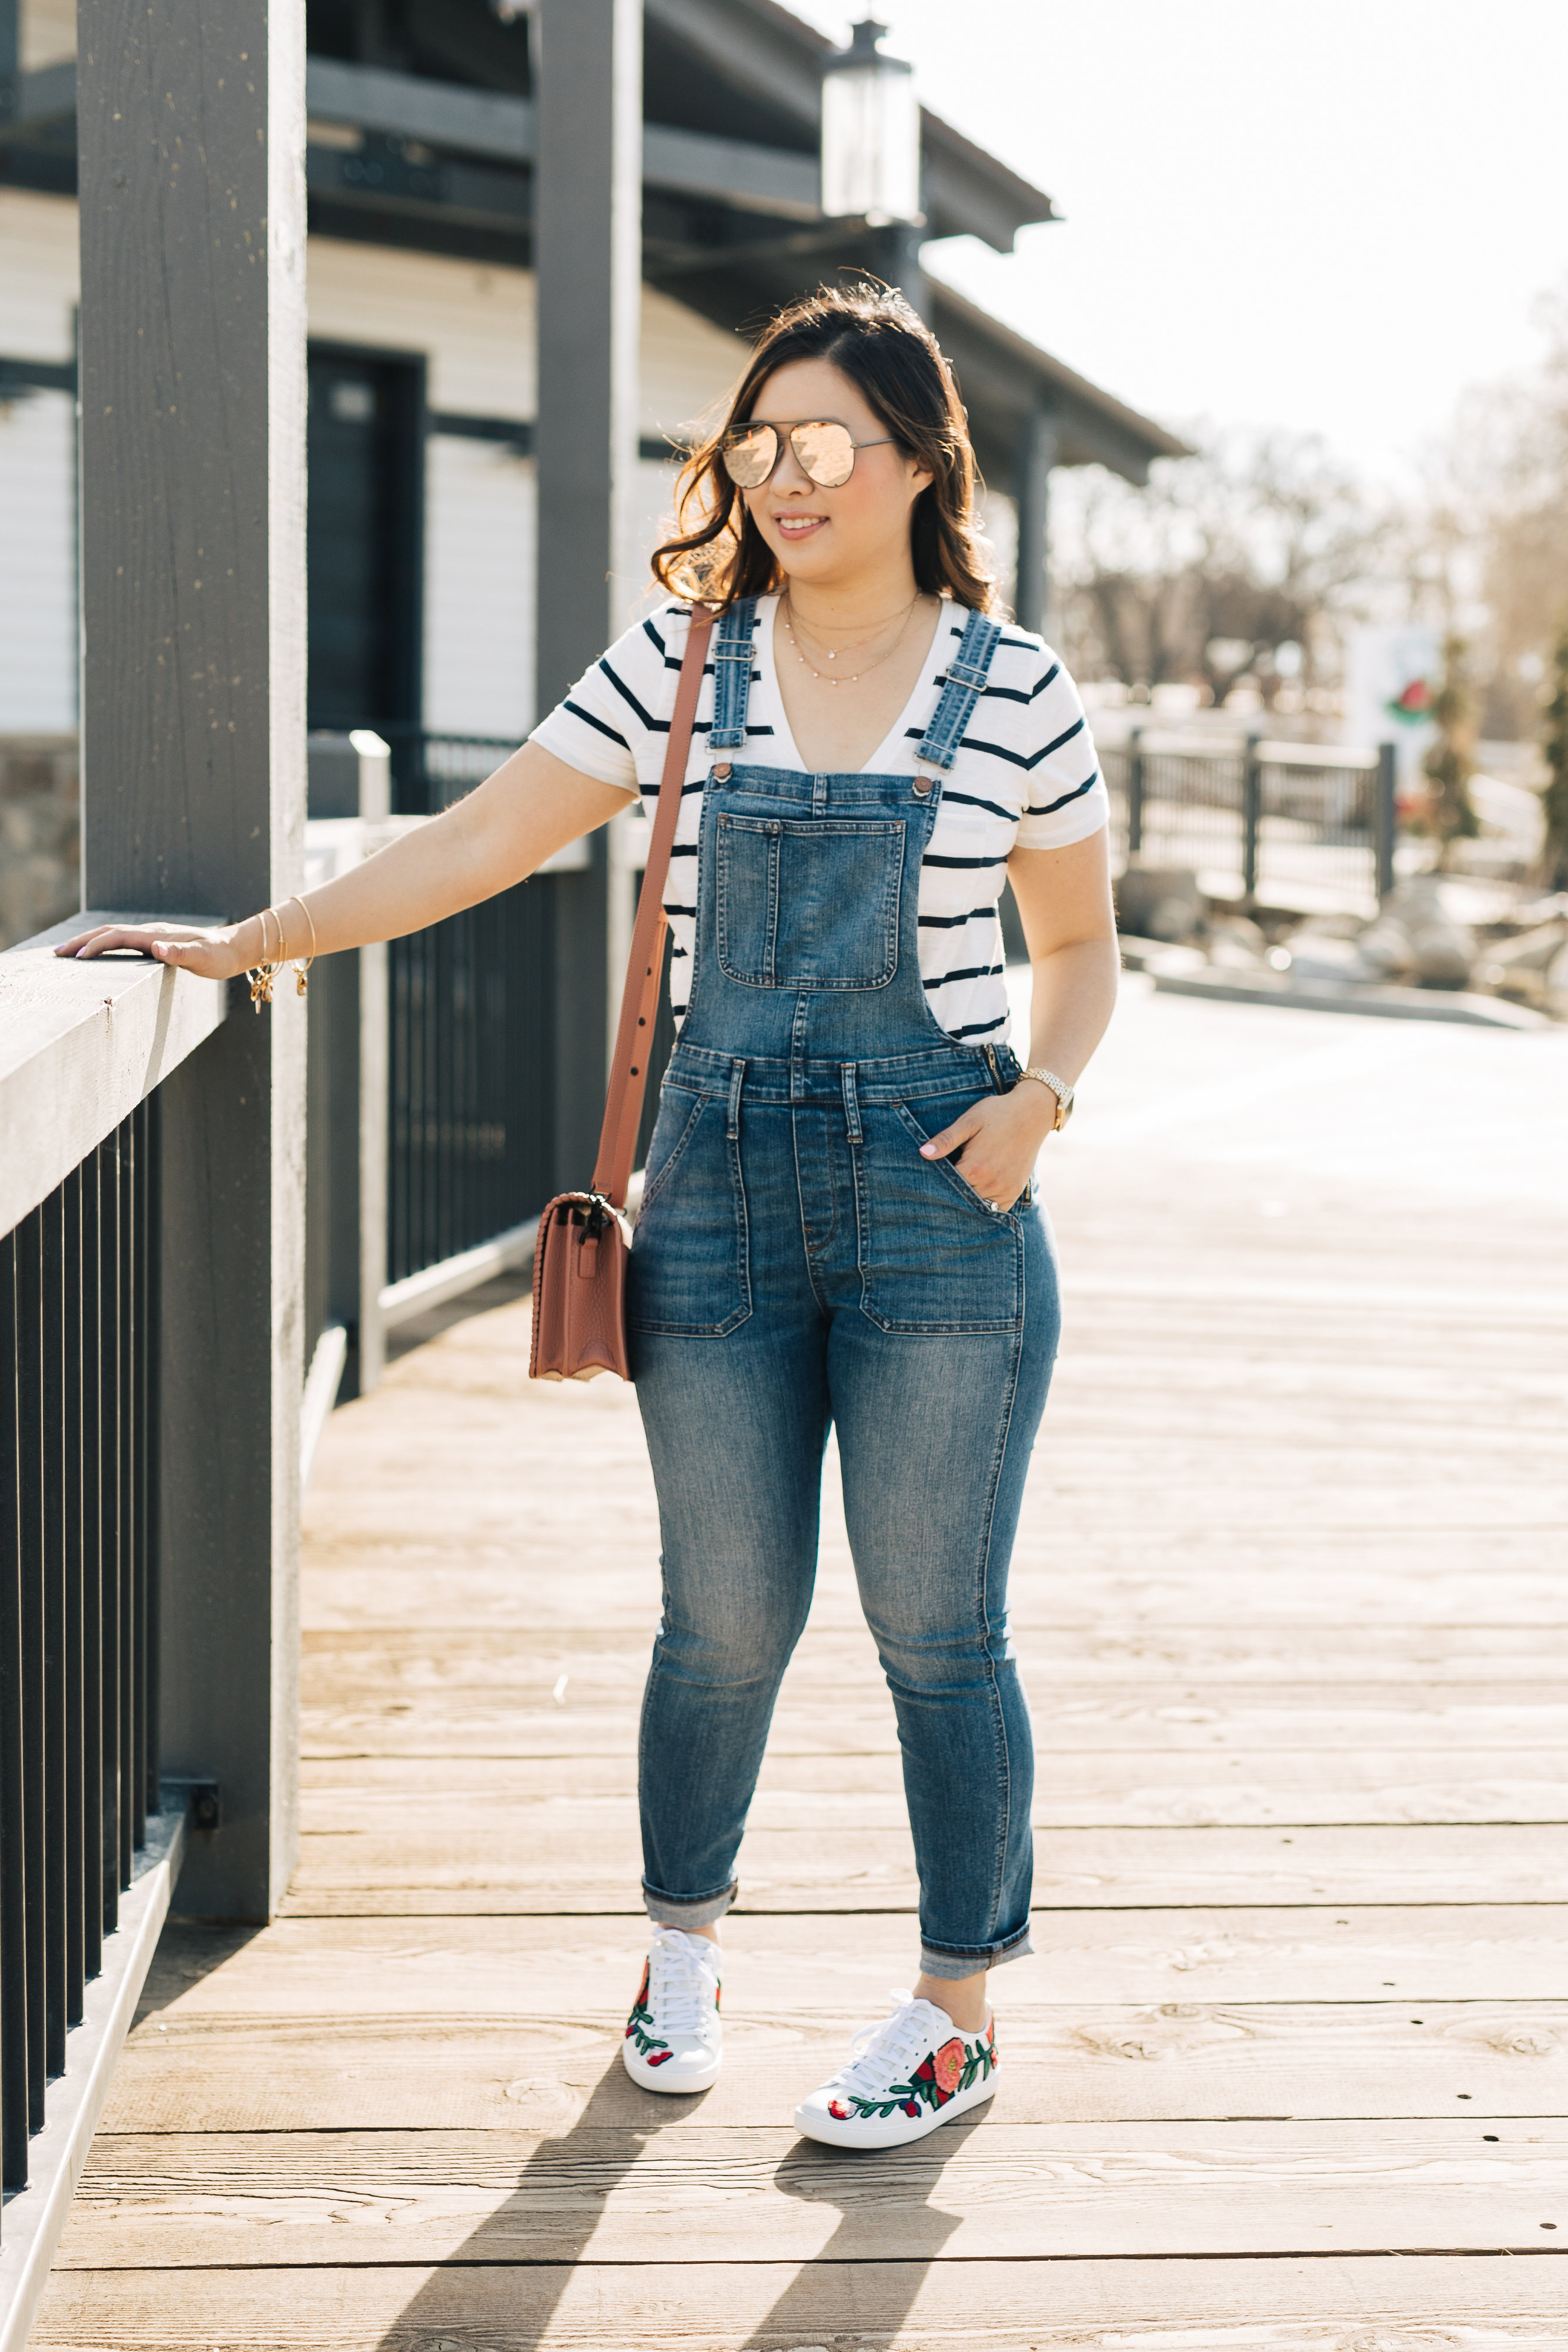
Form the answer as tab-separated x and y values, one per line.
954	1965
686	1911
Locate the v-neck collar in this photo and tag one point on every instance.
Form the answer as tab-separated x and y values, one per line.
894	753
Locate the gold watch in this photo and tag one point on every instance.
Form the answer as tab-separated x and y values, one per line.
1060	1088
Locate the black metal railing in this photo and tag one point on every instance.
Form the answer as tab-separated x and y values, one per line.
430	772
79	1597
471	1089
1266	819
320	1083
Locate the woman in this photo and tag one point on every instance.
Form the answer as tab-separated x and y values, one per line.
837	1228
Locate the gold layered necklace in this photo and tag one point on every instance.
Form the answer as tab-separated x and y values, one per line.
844	678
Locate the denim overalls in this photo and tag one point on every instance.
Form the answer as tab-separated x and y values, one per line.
798	1266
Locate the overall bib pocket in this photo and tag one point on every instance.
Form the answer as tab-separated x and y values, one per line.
934	1257
688	1272
809	902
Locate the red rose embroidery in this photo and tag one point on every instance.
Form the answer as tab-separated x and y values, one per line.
660	2057
949	2066
841	2115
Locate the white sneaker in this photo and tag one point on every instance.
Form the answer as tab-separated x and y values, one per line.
675	2039
906	2074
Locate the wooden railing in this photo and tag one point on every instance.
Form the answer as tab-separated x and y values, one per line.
91	1836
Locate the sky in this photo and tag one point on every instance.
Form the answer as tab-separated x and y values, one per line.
1331	217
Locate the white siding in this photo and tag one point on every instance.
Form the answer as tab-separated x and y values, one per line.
475	323
37	459
39	275
478	589
687	364
48	33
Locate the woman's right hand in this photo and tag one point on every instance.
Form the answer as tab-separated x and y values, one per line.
219	954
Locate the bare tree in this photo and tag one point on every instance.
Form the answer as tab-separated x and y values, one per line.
1490	541
1251	546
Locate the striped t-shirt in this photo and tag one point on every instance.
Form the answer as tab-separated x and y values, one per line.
1025	773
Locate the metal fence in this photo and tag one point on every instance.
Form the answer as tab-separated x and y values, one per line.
430	772
471	1067
78	1608
1293	824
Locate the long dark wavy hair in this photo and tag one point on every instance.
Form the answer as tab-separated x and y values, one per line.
888	352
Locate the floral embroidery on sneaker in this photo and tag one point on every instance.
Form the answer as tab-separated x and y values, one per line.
673	2039
639	2027
906	2074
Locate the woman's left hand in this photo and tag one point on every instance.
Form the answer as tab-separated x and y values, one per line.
997	1141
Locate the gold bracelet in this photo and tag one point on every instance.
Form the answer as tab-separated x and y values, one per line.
265	971
302	971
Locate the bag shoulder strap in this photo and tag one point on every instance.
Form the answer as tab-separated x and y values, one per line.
640	999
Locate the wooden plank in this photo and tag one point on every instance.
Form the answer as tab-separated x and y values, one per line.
1178	2062
1258	1663
491	1718
1306	2305
378	1968
562	1859
982	2190
370	1795
80	1046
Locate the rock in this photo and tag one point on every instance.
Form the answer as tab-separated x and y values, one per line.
1159	902
1440	950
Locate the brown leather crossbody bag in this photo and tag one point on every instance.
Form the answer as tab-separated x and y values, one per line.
580	1257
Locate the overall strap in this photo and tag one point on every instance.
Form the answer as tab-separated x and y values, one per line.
732	659
966	675
640	999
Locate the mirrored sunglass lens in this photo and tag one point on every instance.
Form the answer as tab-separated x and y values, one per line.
749	455
826	452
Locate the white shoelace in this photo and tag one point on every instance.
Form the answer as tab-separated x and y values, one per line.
680	1982
882	2052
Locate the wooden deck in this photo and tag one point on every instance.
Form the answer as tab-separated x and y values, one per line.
1290	2067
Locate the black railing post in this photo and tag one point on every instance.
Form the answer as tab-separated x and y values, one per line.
52	1560
1252	816
31	1553
1134	794
1386	818
14	2117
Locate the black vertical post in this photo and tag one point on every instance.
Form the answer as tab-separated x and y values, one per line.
1135	793
75	1722
13	2118
92	1573
30	1550
1031	490
191	132
51	1432
1386	818
1252	816
587	246
110	1527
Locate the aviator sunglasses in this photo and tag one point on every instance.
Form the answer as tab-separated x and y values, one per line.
823	451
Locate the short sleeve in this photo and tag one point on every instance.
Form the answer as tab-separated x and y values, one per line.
614	723
1066	797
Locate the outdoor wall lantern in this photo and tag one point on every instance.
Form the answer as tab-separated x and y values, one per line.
870	133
